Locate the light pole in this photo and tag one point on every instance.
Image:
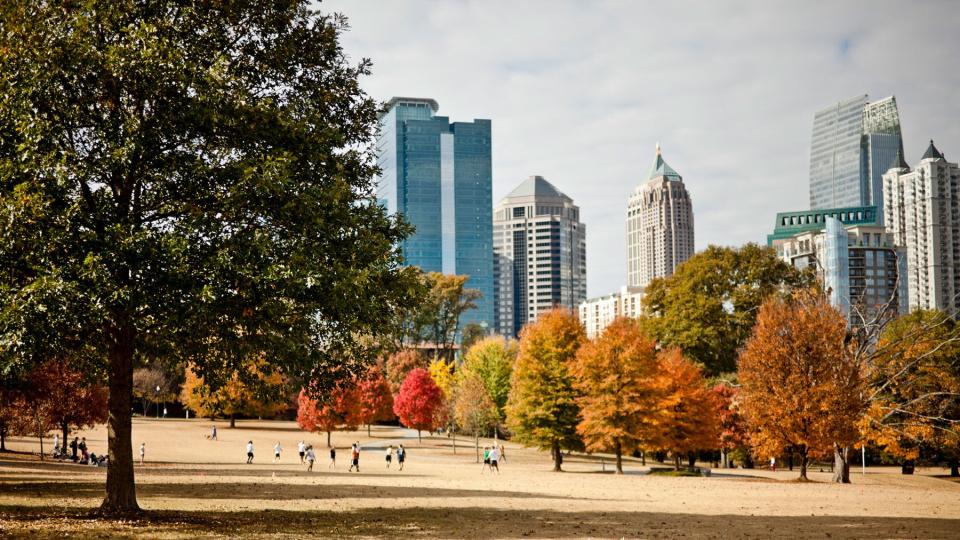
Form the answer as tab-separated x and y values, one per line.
156	400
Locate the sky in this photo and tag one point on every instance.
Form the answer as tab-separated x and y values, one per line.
580	92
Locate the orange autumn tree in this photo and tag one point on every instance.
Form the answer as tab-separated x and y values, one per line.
689	409
800	387
337	410
616	377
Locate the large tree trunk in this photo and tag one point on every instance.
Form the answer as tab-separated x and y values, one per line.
954	467
121	498
841	464
724	460
557	457
66	432
618	449
368	432
233	420
3	437
328	439
803	464
676	461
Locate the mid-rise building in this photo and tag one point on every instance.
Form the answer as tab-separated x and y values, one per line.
858	263
854	143
540	260
659	225
438	174
597	313
922	210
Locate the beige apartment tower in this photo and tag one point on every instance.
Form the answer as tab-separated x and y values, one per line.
922	209
659	225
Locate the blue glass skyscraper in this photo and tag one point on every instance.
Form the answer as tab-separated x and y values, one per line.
438	174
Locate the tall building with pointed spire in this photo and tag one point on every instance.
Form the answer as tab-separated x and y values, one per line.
540	261
922	210
659	225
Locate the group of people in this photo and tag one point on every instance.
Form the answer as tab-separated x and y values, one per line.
401	456
309	456
79	453
492	457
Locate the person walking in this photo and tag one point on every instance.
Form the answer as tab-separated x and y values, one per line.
503	456
73	448
56	444
310	456
401	456
213	433
486	459
494	459
276	452
300	450
333	458
143	451
773	464
249	451
354	458
389	456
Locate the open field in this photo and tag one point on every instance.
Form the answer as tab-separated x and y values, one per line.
196	487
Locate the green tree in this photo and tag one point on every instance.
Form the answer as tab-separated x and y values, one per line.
542	409
491	359
708	306
438	316
189	181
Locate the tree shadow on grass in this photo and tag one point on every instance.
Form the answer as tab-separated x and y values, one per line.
466	523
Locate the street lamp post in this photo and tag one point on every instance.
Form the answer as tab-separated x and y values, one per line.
156	400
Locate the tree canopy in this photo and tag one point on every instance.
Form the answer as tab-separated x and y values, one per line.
491	359
190	181
709	305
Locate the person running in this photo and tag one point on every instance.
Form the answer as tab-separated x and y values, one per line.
494	458
276	452
355	458
401	456
333	458
486	459
310	458
249	451
143	451
213	433
300	450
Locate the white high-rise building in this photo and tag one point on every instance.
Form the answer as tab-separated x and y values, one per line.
922	210
597	313
659	225
540	260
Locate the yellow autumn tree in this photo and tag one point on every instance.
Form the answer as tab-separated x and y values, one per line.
800	387
260	391
616	375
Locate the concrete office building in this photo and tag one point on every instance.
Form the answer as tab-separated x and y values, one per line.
539	247
659	225
597	313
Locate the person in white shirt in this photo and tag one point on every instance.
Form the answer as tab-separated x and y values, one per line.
249	451
389	455
143	451
56	444
300	449
276	452
494	458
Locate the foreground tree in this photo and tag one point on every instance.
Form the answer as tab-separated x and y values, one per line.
689	419
337	410
191	181
708	306
619	401
419	402
914	381
542	409
801	388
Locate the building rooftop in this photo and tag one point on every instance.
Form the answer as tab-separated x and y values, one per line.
394	101
537	186
932	152
660	168
790	224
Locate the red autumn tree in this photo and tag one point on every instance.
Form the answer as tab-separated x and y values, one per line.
688	407
400	364
801	389
616	377
338	411
374	397
733	426
419	401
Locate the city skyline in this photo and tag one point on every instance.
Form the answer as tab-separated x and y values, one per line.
580	97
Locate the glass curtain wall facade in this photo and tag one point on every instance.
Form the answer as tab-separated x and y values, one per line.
438	174
854	143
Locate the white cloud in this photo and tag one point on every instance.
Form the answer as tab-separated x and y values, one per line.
580	92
